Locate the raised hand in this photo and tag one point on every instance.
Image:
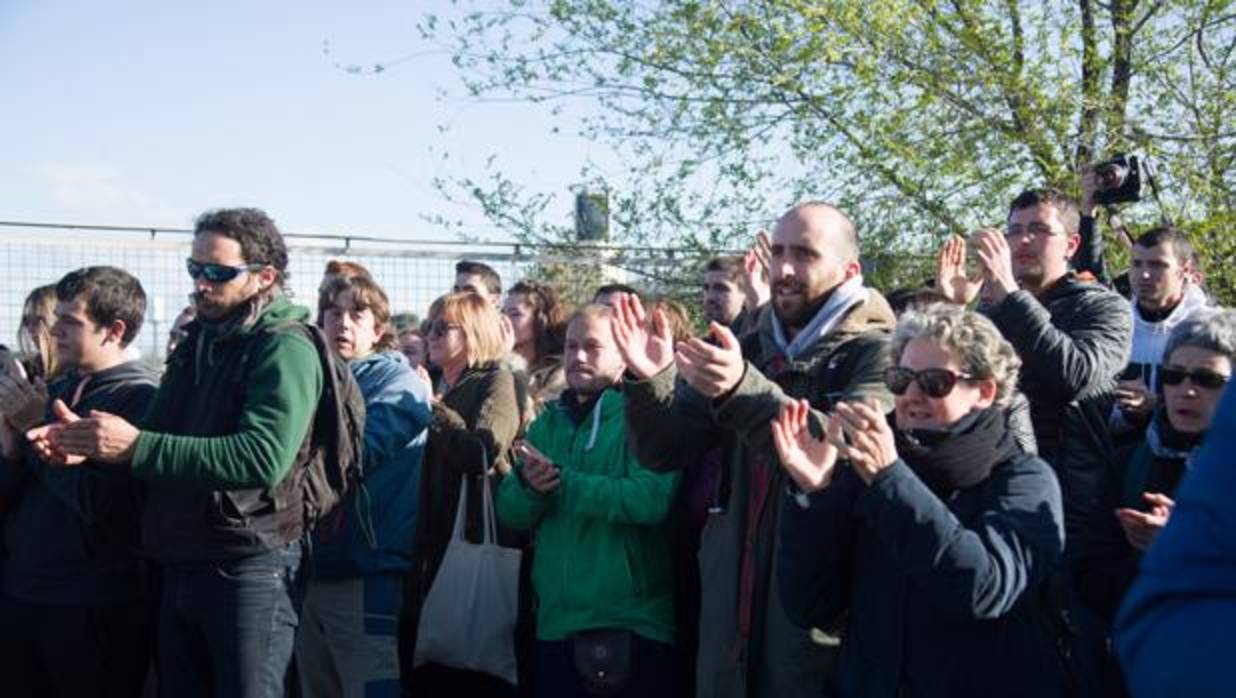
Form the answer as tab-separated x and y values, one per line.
872	448
711	370
645	343
997	259
809	461
951	277
756	288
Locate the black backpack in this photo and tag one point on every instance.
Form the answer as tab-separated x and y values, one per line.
334	467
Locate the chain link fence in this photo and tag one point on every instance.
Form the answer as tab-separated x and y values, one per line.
413	273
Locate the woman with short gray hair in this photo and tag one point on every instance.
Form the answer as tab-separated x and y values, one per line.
1136	500
935	543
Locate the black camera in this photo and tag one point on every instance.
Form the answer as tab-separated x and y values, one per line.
1119	180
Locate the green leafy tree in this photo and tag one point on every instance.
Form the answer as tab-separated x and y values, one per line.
920	118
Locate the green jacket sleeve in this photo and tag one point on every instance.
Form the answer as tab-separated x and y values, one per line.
641	497
519	506
279	405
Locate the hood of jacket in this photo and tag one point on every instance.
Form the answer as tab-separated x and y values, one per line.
871	314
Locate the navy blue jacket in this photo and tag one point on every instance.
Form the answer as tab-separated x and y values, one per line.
938	598
71	537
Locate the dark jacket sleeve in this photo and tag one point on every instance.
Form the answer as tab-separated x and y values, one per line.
1061	365
669	424
477	443
978	571
92	490
1103	563
813	552
1089	257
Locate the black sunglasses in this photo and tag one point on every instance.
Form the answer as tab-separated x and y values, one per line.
1201	377
217	273
935	382
441	328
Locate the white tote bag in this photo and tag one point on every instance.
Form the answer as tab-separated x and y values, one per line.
468	619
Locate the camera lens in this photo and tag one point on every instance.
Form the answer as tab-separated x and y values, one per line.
1111	176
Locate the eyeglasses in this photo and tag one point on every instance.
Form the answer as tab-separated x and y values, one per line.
935	382
1201	377
217	273
441	328
1034	229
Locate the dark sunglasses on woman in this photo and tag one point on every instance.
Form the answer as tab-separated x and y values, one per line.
934	382
1201	377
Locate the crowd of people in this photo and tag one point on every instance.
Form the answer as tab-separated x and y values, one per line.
820	489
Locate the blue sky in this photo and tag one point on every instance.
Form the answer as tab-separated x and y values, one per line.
147	113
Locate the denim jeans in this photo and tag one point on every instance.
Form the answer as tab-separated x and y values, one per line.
226	629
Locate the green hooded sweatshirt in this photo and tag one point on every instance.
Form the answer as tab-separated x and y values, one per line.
602	550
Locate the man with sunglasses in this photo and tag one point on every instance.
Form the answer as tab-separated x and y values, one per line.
825	340
230	423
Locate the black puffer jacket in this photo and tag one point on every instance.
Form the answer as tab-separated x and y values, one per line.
1073	341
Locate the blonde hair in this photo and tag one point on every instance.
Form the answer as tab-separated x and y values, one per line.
479	320
35	338
970	337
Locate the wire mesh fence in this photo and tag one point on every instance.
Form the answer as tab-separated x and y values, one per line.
413	273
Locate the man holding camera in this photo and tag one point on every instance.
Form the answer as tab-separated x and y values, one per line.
75	618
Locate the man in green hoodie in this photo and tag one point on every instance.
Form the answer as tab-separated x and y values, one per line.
602	572
222	447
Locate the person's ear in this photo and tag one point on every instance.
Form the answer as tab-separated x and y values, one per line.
115	332
267	276
1072	245
987	393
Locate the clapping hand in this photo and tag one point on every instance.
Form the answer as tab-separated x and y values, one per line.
871	448
951	277
809	461
756	288
645	343
713	370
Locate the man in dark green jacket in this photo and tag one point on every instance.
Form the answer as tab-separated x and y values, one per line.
593	507
826	339
230	421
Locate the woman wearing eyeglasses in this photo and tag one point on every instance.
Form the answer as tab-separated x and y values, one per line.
928	532
473	425
1141	483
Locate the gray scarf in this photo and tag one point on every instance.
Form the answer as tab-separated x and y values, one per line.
844	297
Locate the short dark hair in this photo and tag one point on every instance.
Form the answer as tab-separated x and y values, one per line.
607	289
731	265
1065	206
110	294
1182	249
493	282
259	238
